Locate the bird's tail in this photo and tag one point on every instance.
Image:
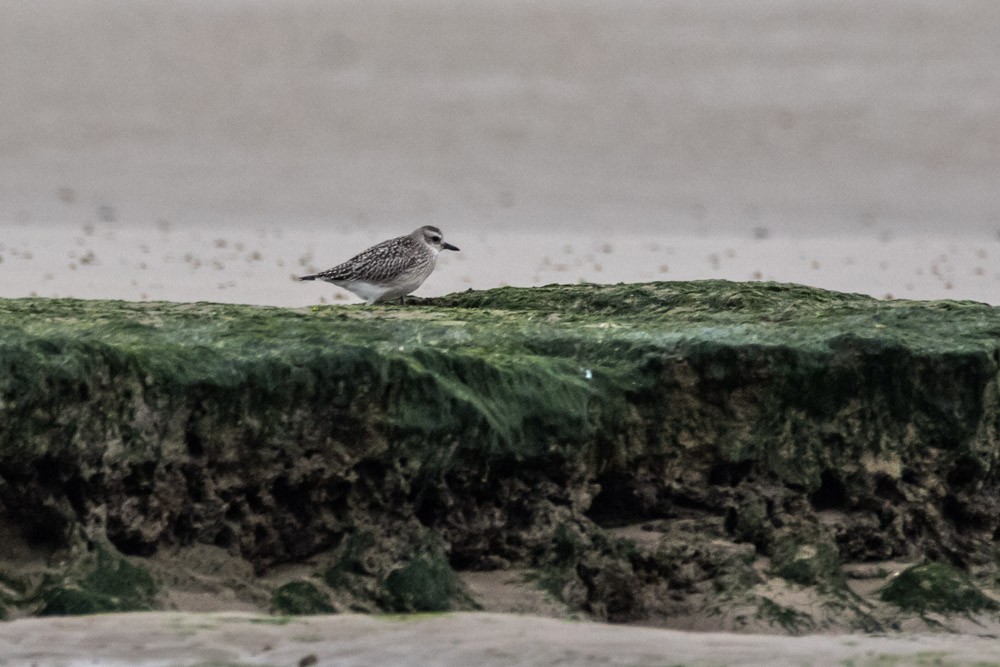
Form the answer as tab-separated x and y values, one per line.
312	277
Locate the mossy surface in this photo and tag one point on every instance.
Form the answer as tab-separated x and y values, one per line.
511	426
425	583
101	583
525	370
809	564
300	598
936	587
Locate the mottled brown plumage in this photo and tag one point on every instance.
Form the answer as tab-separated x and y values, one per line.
390	269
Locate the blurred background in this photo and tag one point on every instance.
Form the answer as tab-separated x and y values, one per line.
213	149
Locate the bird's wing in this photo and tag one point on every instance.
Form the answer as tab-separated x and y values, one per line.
378	264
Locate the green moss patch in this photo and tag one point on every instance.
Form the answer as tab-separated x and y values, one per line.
808	564
936	587
300	598
108	583
426	583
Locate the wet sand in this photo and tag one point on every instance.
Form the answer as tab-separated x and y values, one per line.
259	266
211	150
452	639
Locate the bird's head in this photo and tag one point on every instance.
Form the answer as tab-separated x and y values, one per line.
433	237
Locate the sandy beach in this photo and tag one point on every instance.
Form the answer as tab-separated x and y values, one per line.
258	266
456	640
213	150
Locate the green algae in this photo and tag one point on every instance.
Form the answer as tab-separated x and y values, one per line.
104	583
483	363
425	583
809	564
276	432
298	598
936	587
404	573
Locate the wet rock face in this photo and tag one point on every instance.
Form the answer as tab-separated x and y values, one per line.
758	432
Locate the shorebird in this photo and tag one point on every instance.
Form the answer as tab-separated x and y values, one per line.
391	269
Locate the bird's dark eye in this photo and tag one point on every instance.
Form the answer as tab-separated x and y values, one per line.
436	239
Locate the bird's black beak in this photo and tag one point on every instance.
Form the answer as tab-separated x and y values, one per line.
448	246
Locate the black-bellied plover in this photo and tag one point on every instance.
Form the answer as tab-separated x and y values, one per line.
391	269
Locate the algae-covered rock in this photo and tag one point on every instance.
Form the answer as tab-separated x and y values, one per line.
809	564
100	583
407	571
936	587
424	583
394	446
298	598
